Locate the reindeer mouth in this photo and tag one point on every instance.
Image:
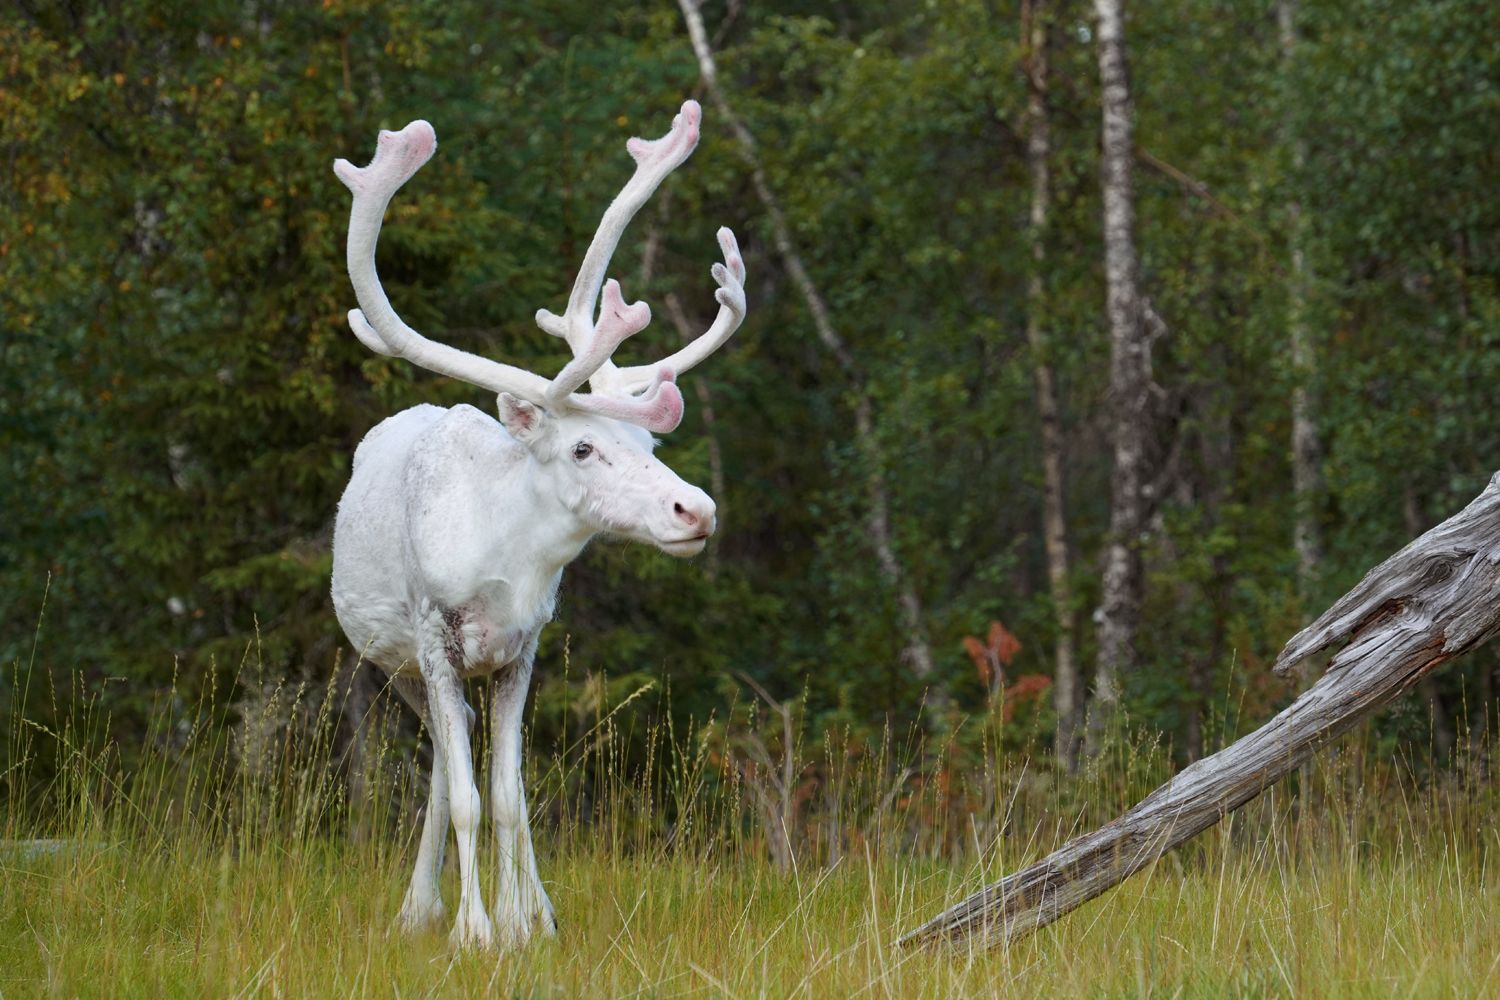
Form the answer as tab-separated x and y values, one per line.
684	547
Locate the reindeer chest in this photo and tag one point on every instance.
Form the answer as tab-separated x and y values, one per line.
473	640
476	644
490	629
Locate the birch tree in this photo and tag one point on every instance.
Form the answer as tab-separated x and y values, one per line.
1065	688
1120	610
917	653
1307	475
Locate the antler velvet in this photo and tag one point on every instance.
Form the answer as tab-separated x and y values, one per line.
643	394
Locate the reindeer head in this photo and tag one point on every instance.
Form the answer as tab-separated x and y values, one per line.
602	471
592	450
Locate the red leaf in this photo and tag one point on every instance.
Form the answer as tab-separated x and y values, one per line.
980	656
1003	643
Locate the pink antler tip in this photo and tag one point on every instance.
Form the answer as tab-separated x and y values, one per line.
659	409
398	155
417	135
675	146
617	318
668	410
690	117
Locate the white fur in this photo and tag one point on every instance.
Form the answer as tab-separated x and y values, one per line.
453	532
448	549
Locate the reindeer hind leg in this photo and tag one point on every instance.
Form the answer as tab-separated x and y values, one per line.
423	905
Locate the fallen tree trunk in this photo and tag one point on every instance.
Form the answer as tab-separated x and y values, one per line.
1435	599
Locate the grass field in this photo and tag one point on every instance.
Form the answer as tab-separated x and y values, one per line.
194	876
129	921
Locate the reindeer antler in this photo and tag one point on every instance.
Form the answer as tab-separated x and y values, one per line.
398	156
644	395
654	160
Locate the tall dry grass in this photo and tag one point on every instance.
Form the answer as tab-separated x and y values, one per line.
243	845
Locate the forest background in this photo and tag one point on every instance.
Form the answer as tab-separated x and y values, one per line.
180	394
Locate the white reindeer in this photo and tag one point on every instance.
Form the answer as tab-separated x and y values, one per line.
454	529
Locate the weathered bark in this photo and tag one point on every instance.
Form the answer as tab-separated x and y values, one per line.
1442	732
1065	685
1129	379
917	653
1307	463
1435	599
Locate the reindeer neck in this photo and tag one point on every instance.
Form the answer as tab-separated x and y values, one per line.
542	535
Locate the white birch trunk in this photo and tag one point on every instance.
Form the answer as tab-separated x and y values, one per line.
1119	614
1065	688
1307	468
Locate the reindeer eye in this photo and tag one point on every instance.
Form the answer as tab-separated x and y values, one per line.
582	450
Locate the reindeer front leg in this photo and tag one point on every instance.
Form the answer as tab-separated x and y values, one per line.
441	642
521	904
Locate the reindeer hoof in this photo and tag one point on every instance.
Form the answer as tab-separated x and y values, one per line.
416	918
474	932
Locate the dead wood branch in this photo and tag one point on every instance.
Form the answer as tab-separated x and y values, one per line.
1435	599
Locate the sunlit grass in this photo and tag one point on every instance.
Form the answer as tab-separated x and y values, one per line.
194	874
115	920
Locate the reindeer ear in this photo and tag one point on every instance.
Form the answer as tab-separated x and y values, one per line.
525	420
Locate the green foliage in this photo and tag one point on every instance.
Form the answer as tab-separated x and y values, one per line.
180	395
